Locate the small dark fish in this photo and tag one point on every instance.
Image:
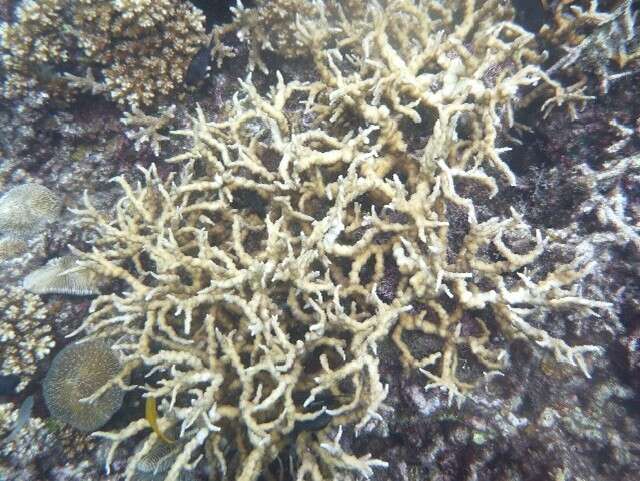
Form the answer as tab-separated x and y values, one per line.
322	401
316	424
8	384
24	414
199	66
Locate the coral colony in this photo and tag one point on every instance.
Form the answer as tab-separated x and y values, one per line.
302	228
26	209
76	373
62	275
25	333
140	49
249	311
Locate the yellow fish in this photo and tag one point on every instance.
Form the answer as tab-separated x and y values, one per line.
151	415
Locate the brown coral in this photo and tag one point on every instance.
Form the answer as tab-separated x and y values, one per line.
33	46
78	372
268	27
11	246
139	48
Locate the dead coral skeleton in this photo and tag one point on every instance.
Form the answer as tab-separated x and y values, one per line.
317	220
611	198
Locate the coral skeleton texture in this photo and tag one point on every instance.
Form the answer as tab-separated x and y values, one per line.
75	373
319	220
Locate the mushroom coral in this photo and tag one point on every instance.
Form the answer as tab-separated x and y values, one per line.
78	372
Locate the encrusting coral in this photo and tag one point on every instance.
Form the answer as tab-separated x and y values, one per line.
134	51
317	221
25	334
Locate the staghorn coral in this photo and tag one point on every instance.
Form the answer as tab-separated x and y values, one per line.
140	49
596	40
611	203
26	209
149	127
243	321
320	219
269	27
25	334
75	374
